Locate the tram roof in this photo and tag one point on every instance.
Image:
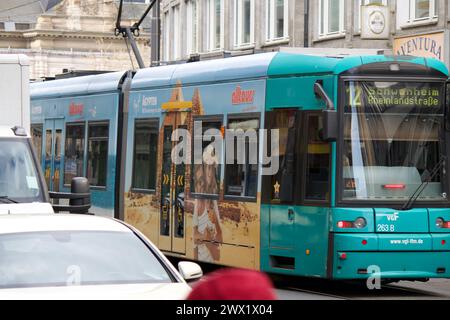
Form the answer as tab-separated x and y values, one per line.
285	64
209	71
76	86
262	65
265	65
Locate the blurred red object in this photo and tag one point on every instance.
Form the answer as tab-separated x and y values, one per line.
234	284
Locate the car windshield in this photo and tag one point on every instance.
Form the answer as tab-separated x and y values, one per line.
18	175
65	258
392	140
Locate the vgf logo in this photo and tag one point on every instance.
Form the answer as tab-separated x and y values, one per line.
393	217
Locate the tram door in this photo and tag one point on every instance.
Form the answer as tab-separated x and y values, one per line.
52	146
172	235
282	192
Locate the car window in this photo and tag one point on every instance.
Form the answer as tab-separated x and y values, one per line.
19	180
77	258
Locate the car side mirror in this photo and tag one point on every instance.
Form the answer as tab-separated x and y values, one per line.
190	271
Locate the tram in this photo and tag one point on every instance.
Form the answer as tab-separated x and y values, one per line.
351	171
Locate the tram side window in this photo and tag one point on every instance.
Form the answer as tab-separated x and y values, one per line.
145	154
36	134
206	176
241	174
283	184
317	161
97	165
74	152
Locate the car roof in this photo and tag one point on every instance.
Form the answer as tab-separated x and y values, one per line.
18	223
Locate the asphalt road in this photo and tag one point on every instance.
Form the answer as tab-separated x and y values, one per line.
296	288
315	289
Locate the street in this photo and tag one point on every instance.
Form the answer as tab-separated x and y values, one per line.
306	289
297	288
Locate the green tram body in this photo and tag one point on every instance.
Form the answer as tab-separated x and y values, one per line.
310	243
306	220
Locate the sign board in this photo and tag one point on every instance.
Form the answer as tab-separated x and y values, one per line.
375	22
431	45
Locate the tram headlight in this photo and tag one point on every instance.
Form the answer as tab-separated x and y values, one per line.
440	222
360	223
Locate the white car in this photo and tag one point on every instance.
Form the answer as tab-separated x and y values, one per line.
57	256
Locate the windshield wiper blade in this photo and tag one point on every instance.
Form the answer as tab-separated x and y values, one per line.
424	184
6	199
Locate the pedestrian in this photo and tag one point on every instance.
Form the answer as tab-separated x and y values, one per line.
234	284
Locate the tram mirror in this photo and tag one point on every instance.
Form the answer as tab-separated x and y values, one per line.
80	185
330	127
330	118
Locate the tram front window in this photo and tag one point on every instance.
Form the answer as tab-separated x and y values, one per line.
392	141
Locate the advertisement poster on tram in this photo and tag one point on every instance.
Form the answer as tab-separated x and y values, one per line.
197	210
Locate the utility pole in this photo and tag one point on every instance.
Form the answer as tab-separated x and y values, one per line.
129	33
155	39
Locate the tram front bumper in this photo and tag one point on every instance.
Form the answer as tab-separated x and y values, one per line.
391	256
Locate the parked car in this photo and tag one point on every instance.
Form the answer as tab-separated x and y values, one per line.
56	256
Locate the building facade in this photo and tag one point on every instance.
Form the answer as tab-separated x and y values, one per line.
220	28
70	35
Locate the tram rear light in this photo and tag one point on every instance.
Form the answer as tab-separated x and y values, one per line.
345	224
359	223
395	186
364	242
443	242
441	223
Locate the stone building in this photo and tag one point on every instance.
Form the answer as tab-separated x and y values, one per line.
218	28
70	34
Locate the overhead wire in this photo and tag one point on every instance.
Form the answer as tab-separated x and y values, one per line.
19	6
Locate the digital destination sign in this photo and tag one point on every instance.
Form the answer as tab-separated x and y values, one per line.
393	94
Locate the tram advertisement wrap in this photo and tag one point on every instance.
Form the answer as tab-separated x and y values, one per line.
215	228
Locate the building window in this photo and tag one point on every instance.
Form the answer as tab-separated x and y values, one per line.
166	36
361	3
423	9
215	15
191	27
145	154
176	33
206	176
244	22
137	1
277	20
415	11
23	26
317	161
331	17
74	152
241	177
97	165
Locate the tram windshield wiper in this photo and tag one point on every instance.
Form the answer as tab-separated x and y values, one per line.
416	194
6	199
